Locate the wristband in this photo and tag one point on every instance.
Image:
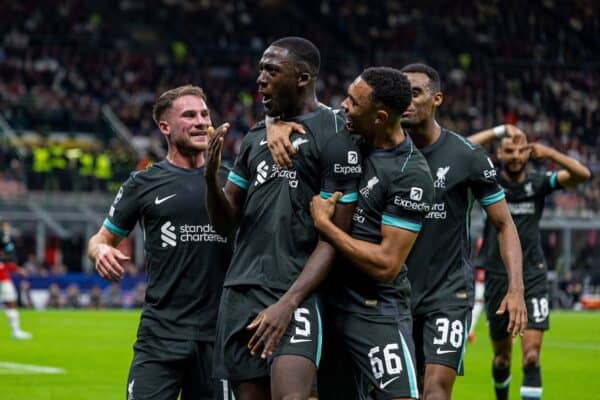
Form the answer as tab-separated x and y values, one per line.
499	131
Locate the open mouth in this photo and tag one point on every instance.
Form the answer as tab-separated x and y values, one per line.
349	125
199	133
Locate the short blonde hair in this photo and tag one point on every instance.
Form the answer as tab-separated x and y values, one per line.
165	100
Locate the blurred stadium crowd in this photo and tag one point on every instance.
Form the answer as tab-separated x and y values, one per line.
61	62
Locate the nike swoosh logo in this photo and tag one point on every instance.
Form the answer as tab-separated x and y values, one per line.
294	340
157	201
263	142
440	351
382	385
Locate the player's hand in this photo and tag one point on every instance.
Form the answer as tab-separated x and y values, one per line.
270	325
278	140
109	262
540	151
213	152
322	210
517	135
514	304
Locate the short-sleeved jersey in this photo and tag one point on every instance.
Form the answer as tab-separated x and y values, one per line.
276	233
526	204
396	190
185	258
439	268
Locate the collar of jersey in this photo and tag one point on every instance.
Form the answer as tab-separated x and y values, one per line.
438	143
174	168
401	148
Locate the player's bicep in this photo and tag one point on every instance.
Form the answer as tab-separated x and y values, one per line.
397	242
498	214
342	217
235	194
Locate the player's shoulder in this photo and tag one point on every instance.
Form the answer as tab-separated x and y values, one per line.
325	123
460	144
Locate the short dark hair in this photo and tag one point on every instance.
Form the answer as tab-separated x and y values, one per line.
391	88
435	84
165	100
303	50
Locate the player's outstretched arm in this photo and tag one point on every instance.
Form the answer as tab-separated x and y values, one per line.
382	261
512	257
271	323
107	259
223	204
573	172
498	132
278	140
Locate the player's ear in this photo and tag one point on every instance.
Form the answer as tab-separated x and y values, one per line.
381	116
164	127
438	99
304	79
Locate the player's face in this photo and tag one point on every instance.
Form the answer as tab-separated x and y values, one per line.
186	124
513	156
424	101
277	81
359	109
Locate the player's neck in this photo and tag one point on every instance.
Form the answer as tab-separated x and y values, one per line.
425	134
188	161
516	178
306	105
392	138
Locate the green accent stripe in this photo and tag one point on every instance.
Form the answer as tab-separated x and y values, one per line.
319	337
553	181
464	140
408	157
400	223
410	369
492	198
238	180
347	198
464	346
335	120
502	385
112	228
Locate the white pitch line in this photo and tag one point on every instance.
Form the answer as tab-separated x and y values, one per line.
16	368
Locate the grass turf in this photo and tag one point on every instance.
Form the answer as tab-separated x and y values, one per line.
95	349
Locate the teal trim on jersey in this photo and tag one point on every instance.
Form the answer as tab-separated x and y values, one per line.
400	223
531	392
464	140
112	228
492	198
464	346
238	180
319	336
408	157
502	385
553	181
470	202
410	369
347	198
335	121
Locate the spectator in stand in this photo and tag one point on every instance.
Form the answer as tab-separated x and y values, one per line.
25	294
95	297
112	297
55	297
72	300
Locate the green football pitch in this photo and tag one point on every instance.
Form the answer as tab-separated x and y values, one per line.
85	355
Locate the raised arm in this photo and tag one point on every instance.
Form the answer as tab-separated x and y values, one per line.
573	172
498	132
224	204
512	258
